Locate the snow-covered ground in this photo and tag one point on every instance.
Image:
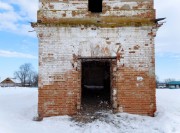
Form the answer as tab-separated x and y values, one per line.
18	106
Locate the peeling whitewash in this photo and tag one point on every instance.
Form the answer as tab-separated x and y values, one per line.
82	4
123	33
80	14
134	44
79	9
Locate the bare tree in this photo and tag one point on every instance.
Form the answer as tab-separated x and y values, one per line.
35	80
30	77
25	74
157	80
169	80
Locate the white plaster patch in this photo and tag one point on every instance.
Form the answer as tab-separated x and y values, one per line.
139	78
114	92
70	93
120	109
115	104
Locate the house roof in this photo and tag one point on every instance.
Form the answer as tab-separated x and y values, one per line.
161	83
174	83
7	80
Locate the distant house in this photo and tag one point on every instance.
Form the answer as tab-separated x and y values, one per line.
161	85
8	83
173	84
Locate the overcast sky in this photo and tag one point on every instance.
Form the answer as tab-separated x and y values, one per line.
168	40
18	46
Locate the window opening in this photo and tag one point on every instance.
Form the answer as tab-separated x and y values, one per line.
95	6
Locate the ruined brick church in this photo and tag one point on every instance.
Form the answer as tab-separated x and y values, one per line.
96	50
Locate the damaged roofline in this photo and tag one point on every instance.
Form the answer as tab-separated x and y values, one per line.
103	22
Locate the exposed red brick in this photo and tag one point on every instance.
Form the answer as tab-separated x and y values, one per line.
70	31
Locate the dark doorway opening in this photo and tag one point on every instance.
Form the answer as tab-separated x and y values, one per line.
95	85
95	6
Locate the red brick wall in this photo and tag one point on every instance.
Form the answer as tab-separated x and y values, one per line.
61	97
135	95
67	31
